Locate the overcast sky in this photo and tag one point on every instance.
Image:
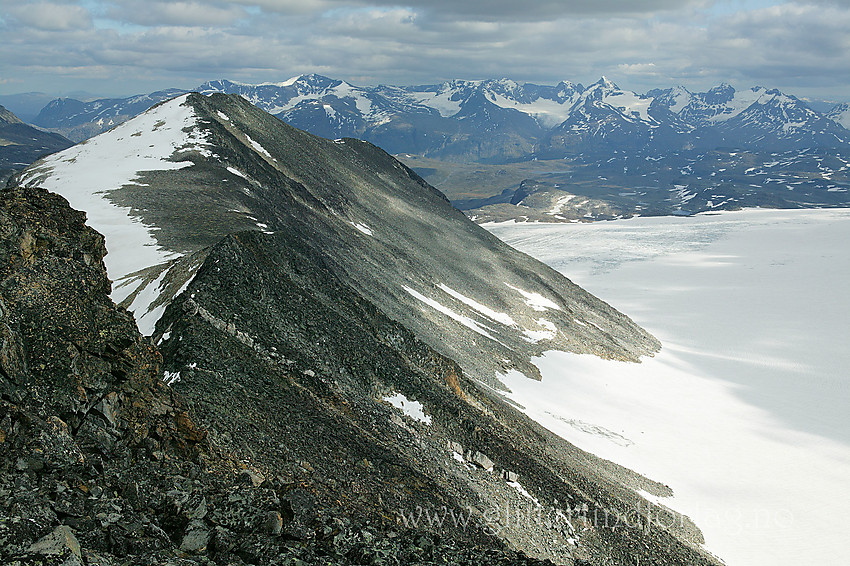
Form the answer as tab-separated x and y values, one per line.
122	47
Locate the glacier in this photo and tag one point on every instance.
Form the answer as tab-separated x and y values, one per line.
743	413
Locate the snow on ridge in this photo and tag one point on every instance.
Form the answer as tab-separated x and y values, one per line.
504	318
741	100
535	300
85	175
288	82
362	228
681	97
632	104
840	115
257	147
237	172
439	307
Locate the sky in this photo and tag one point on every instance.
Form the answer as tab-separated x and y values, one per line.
124	47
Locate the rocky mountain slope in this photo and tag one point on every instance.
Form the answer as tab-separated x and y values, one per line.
102	464
21	144
196	169
337	352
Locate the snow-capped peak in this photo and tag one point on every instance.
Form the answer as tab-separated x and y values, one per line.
605	83
840	114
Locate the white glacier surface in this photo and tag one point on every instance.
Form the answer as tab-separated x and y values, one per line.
744	412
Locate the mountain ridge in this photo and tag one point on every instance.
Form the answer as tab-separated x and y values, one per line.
299	290
21	144
222	165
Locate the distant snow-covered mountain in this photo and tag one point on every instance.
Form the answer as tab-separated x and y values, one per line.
502	120
840	115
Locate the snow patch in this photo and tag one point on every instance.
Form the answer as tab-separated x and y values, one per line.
170	378
258	147
524	492
535	300
412	409
363	228
464	320
548	333
558	207
504	318
237	172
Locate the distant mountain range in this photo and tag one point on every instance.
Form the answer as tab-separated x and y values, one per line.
604	152
21	144
502	120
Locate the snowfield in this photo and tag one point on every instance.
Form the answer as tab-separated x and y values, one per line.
744	412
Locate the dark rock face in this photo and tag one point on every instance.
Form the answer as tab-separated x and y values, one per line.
67	351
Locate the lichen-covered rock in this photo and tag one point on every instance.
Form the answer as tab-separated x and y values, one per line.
65	349
58	547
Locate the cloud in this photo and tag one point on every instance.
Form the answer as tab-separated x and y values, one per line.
51	16
494	10
159	44
162	13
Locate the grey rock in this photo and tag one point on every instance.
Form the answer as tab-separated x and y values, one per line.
480	460
61	544
250	477
509	475
273	523
196	539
